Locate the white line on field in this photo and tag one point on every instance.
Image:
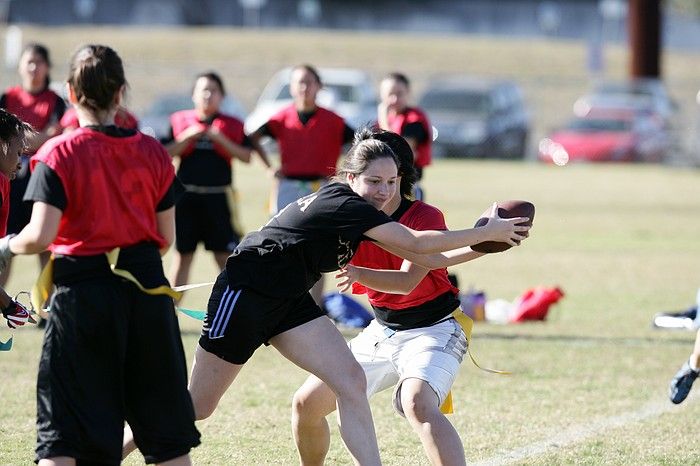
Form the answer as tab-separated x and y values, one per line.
581	432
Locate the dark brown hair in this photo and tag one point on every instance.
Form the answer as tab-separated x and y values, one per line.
398	77
402	150
96	75
309	69
212	76
12	127
361	154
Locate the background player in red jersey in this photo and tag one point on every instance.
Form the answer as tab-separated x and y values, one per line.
34	103
112	350
413	344
310	140
395	114
206	141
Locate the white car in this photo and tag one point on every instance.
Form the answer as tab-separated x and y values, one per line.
348	92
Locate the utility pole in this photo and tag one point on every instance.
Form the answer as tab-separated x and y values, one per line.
645	38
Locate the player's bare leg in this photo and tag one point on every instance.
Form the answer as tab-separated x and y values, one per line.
344	377
438	436
312	402
211	377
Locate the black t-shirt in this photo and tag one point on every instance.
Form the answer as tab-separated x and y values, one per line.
318	233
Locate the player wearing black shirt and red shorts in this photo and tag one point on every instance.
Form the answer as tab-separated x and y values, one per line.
262	297
112	350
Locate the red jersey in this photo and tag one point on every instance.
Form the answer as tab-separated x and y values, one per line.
112	186
414	115
420	216
308	150
5	203
231	127
123	119
39	110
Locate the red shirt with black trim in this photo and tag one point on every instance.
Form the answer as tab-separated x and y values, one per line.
230	126
112	186
35	109
307	150
4	203
204	163
411	115
419	216
123	119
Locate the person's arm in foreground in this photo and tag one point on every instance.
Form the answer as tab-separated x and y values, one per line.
405	280
402	238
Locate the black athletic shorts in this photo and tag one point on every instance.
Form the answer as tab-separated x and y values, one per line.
111	354
240	320
204	218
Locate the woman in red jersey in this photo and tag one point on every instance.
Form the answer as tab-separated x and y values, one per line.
103	203
34	103
310	140
413	344
206	141
395	114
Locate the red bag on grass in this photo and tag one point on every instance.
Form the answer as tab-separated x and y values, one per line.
534	303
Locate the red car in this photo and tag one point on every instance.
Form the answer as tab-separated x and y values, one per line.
610	136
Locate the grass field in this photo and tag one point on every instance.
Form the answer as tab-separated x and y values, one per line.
621	242
589	384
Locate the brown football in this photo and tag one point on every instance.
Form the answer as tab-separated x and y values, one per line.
506	209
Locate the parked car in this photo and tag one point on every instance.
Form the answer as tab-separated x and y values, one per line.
156	120
348	92
647	93
607	136
474	117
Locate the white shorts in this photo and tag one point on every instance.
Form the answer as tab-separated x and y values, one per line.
432	354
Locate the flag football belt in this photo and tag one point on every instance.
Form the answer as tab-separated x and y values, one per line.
42	288
467	325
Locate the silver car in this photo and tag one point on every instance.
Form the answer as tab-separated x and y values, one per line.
476	118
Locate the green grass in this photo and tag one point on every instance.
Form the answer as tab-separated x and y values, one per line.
621	240
618	239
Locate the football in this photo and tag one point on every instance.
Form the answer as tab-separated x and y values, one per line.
506	209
